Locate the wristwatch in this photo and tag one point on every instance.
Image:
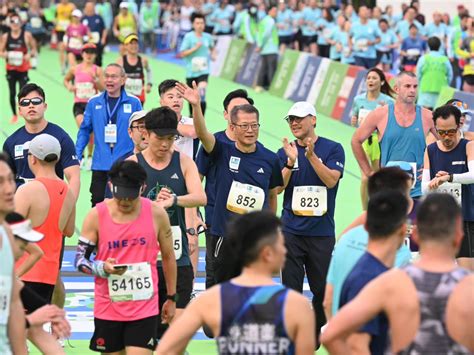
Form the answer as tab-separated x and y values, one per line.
450	178
173	298
175	200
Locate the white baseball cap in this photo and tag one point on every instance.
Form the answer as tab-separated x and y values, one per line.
302	109
124	5
137	115
22	228
77	13
44	145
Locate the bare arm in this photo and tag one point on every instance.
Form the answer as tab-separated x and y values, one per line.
292	153
68	78
300	323
73	177
22	202
196	195
273	199
187	130
369	125
3	42
360	220
327	303
31	43
16	320
192	96
34	254
71	222
100	80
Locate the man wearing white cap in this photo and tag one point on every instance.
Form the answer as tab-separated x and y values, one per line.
50	205
136	127
311	167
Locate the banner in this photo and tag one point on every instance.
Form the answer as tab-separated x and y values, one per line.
299	70
284	73
248	73
318	80
303	86
326	99
448	93
344	92
233	59
359	83
222	48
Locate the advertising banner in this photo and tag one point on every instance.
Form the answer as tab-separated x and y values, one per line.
449	93
233	59
298	72
318	81
326	99
303	87
221	49
359	84
248	73
284	73
344	92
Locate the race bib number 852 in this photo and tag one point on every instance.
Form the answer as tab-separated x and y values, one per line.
245	198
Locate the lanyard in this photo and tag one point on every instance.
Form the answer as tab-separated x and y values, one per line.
111	115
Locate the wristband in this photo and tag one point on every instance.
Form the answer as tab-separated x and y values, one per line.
450	178
175	200
289	167
173	298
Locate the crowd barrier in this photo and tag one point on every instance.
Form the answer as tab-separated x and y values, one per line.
331	86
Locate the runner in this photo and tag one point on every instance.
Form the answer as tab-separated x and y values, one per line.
173	181
63	18
50	205
124	25
364	36
197	49
311	15
76	34
209	170
402	128
465	50
352	244
17	46
411	49
408	296
449	168
135	66
136	129
84	80
36	26
125	231
250	313
312	167
379	93
107	116
97	29
249	174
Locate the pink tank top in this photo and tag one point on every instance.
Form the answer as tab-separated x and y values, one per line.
76	34
85	83
132	297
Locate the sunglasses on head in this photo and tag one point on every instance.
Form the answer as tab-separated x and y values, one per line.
34	101
459	104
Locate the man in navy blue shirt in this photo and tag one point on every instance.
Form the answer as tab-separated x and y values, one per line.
312	167
97	27
208	169
249	174
386	225
32	106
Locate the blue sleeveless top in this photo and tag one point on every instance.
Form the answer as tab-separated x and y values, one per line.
454	162
404	144
252	320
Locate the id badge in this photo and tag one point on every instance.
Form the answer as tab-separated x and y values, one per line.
110	133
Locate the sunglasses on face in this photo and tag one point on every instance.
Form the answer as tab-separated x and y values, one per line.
291	119
447	132
89	51
34	101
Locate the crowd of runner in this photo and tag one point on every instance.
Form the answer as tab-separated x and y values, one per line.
400	276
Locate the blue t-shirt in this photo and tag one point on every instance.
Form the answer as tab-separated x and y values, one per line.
350	247
208	169
222	20
260	169
331	155
367	268
96	26
361	102
197	63
361	34
17	144
387	39
311	18
402	28
414	47
284	22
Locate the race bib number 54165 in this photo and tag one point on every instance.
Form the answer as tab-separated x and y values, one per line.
136	284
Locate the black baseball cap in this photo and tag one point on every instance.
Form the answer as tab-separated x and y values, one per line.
127	177
121	190
162	121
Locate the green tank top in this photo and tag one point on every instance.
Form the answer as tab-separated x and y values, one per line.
434	74
6	271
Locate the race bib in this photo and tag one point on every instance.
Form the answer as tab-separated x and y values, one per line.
95	37
363	113
5	296
346	51
134	86
327	32
177	242
110	133
63	25
245	198
362	44
309	200
452	188
36	22
15	58
136	284
85	90
413	168
75	43
125	31
413	52
199	64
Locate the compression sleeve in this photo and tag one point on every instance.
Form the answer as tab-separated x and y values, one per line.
425	180
83	263
465	178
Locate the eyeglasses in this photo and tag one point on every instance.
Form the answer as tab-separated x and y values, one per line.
459	104
34	101
140	127
447	132
245	127
291	119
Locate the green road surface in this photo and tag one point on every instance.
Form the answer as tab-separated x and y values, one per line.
273	129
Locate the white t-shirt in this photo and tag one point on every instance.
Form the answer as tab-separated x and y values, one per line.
185	18
185	144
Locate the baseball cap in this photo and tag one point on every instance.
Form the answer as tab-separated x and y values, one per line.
137	115
45	145
77	13
162	121
130	38
89	46
122	190
403	165
462	106
22	228
302	109
124	5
